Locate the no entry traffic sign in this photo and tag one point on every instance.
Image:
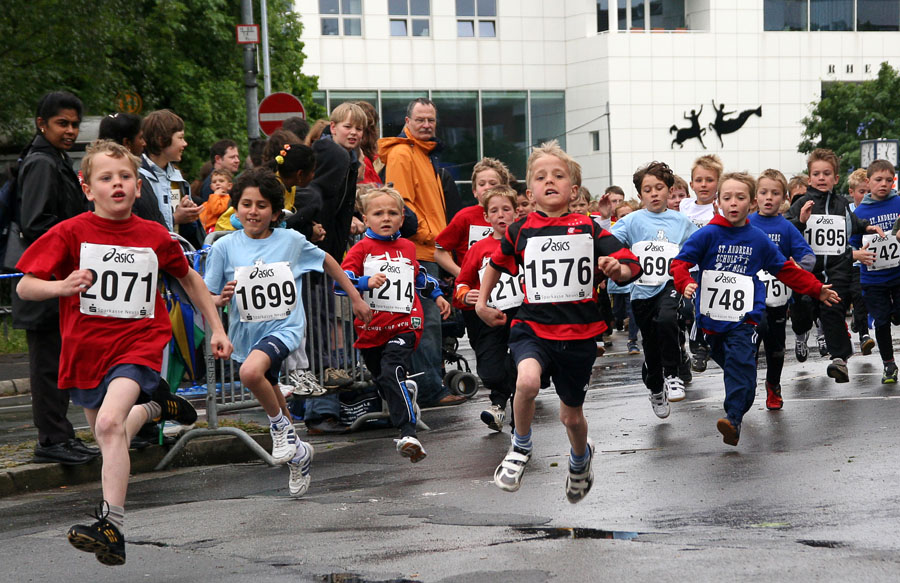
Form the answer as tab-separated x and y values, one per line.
276	108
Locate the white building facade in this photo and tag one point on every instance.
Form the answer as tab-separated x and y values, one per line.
618	82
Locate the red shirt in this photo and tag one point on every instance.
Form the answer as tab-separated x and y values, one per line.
459	235
92	344
384	325
468	279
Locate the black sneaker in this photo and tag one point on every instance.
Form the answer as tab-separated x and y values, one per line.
101	538
889	377
700	358
174	408
866	344
684	370
76	444
60	453
823	346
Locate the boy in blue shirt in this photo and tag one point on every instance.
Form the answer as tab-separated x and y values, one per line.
879	274
771	190
730	252
655	234
256	271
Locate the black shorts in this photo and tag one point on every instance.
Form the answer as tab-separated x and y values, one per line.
146	378
567	362
277	352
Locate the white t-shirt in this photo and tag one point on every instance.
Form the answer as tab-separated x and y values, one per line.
700	214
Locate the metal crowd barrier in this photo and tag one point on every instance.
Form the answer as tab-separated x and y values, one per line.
329	340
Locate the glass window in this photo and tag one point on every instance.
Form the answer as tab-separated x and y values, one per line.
419	8
623	13
330	27
487	7
351	6
398	28
637	14
398	7
784	14
595	141
486	28
318	98
504	129
465	28
548	117
328	7
666	14
339	97
831	15
602	15
883	15
457	129
420	27
393	110
465	7
353	27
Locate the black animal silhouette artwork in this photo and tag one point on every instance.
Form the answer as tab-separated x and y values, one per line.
694	131
724	126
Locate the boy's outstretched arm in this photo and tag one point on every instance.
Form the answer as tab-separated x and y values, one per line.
203	301
360	307
35	289
681	275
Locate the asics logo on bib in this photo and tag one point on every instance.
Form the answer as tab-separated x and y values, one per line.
116	257
390	268
257	272
722	278
654	248
825	221
552	245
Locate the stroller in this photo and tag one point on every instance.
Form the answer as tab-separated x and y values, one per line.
459	380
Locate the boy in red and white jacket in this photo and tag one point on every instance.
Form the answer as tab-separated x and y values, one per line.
384	269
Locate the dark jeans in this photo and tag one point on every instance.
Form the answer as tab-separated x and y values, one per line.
427	358
804	312
860	313
49	404
771	332
735	352
388	366
885	307
657	317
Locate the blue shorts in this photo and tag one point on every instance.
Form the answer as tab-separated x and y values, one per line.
567	362
146	378
277	352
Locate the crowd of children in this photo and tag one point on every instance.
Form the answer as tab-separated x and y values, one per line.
534	274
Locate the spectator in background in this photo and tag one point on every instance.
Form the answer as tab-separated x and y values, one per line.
48	192
254	157
125	129
368	146
297	126
224	156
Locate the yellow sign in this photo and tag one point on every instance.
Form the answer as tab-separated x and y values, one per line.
129	102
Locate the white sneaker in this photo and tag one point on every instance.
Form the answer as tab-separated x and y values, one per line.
305	384
284	442
298	483
494	417
412	448
578	485
674	388
660	403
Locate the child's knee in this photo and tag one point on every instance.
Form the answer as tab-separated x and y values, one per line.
252	376
107	426
528	385
571	417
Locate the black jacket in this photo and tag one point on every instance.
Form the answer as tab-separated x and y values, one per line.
48	192
336	174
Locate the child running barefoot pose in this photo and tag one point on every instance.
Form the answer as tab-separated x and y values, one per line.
383	267
729	252
553	333
495	365
103	267
771	190
256	271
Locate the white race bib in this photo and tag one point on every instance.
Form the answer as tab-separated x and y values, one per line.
559	268
887	251
508	292
477	233
265	291
656	258
826	234
124	281
726	296
397	293
777	292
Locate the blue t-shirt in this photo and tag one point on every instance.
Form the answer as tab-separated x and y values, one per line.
783	233
881	213
645	227
238	250
741	250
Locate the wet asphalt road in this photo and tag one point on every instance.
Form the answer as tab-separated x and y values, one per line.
811	493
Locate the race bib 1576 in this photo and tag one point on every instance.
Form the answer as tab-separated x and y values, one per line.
559	268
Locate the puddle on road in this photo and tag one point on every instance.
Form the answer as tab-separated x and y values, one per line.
823	544
352	578
545	532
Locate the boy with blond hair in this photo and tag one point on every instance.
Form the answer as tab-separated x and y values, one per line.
552	335
858	184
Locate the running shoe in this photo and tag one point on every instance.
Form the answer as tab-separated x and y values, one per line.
823	346
508	475
700	359
866	344
494	417
579	484
684	370
101	538
336	378
674	389
298	483
801	350
838	370
174	408
889	377
411	447
731	432
284	442
305	384
774	402
633	347
660	403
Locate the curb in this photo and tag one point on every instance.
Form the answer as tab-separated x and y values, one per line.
12	387
203	451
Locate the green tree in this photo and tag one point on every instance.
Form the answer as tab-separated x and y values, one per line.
175	54
850	112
